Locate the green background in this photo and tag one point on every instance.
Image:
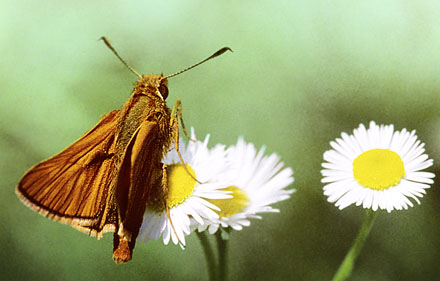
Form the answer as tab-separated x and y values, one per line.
300	74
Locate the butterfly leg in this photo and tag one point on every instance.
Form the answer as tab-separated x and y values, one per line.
176	115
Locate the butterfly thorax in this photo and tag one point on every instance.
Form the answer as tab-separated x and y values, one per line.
146	103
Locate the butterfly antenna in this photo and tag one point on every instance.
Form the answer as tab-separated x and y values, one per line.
109	45
216	54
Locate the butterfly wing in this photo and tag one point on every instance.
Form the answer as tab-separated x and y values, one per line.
72	186
141	167
140	170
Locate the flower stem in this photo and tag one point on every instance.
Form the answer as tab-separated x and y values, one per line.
347	264
209	255
222	247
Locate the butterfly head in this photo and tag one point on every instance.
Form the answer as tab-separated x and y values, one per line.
152	85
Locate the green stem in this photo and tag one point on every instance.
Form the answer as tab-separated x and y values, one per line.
347	264
222	247
209	255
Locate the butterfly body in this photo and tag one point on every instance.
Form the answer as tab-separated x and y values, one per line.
101	183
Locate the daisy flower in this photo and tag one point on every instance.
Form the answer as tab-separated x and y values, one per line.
255	181
186	198
376	168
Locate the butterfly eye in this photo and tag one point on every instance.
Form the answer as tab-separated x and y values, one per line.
163	89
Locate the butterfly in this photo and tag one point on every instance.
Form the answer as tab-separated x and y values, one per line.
101	183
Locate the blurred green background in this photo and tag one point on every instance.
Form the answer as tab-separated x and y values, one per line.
300	74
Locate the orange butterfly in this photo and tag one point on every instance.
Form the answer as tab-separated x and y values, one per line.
101	183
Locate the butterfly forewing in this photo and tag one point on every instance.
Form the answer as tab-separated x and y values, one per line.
72	186
140	169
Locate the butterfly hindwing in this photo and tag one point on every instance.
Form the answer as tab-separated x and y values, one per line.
73	186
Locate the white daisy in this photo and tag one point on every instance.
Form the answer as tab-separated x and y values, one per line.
186	197
256	182
378	168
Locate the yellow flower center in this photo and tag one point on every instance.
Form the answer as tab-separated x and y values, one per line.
378	169
180	184
231	206
180	187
